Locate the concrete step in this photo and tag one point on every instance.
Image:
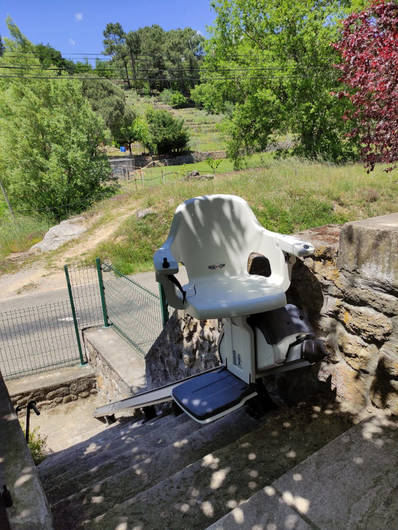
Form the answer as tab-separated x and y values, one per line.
60	462
123	456
101	496
205	490
350	483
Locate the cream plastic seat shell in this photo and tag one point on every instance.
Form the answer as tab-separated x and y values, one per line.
213	237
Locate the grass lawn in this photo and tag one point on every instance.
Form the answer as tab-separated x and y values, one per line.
286	195
19	234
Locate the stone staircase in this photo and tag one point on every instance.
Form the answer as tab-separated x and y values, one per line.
173	473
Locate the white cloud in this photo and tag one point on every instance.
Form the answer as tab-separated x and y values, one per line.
78	17
72	42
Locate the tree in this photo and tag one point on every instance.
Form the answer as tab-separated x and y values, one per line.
165	134
115	45
369	68
271	62
133	46
49	138
49	57
1	46
127	132
107	100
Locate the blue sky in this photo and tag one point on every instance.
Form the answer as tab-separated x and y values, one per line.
75	27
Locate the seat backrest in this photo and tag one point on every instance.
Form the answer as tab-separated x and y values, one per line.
215	233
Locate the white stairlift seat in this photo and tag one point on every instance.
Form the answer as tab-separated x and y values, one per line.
213	237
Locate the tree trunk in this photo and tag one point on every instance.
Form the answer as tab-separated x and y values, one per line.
127	72
133	67
7	199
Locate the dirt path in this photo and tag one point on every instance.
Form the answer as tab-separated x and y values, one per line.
40	276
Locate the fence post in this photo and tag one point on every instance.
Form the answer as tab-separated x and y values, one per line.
163	306
102	292
72	305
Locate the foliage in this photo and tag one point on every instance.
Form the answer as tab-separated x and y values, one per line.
49	139
174	98
37	445
154	58
115	45
213	163
127	132
165	133
49	56
107	100
369	68
272	60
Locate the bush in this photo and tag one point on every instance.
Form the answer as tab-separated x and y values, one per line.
174	98
37	445
165	133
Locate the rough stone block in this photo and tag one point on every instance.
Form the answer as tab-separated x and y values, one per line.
369	247
80	386
359	291
351	387
61	391
84	394
359	355
364	321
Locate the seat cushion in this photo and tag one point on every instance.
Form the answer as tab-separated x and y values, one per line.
222	296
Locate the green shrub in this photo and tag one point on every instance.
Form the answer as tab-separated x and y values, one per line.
37	445
174	98
165	133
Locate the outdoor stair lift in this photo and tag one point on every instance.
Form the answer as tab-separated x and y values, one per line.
238	272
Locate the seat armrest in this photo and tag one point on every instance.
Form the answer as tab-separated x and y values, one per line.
164	262
292	245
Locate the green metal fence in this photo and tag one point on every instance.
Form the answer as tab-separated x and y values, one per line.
37	337
46	336
134	311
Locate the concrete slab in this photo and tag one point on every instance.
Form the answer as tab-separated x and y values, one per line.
269	511
119	355
56	377
369	248
349	484
67	424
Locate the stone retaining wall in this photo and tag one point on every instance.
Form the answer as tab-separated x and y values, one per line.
185	347
139	161
50	396
110	385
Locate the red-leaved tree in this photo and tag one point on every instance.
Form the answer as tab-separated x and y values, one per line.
369	67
